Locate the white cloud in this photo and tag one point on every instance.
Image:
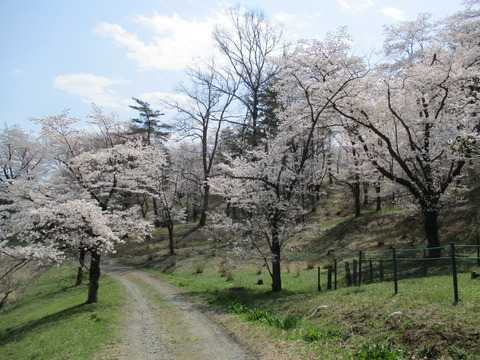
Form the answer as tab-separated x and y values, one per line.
394	13
297	25
296	20
174	43
92	88
355	5
284	17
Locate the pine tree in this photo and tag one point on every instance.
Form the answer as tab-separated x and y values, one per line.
148	122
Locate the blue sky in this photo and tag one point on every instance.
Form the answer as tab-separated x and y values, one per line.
58	54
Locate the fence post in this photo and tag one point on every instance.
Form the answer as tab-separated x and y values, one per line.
329	278
454	272
359	267
478	250
425	262
355	272
335	274
371	272
319	287
348	276
395	275
380	270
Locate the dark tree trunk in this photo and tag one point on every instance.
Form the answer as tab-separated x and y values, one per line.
81	259
276	269
379	200
356	196
171	247
195	213
203	214
94	278
276	272
430	223
5	297
365	194
143	201
227	211
313	203
155	211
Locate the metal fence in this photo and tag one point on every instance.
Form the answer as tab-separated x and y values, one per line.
393	264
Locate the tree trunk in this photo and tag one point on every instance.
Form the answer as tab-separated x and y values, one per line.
4	299
356	195
276	269
227	211
195	213
155	211
143	201
365	194
379	200
81	265
170	239
203	214
94	277
430	223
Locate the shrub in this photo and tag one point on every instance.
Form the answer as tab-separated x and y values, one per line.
229	275
428	350
313	335
259	315
286	322
377	352
223	270
326	333
199	268
458	353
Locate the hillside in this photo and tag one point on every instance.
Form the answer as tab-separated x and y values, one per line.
350	320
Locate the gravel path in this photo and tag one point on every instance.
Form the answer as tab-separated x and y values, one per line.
175	330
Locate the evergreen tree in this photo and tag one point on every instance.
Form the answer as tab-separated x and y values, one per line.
148	122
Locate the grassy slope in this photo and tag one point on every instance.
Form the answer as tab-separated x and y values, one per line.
51	321
356	318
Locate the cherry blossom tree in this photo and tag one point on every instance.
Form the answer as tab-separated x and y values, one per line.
22	155
149	173
270	182
417	112
351	164
84	217
97	165
187	161
50	223
269	189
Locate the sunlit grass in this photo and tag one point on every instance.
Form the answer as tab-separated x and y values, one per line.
351	320
349	317
52	321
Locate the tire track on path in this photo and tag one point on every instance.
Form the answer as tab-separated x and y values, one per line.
149	334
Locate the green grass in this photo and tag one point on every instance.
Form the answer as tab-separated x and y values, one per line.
52	321
354	320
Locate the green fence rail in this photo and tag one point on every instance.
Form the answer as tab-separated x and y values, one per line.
371	265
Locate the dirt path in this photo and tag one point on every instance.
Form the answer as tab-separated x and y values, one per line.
169	329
